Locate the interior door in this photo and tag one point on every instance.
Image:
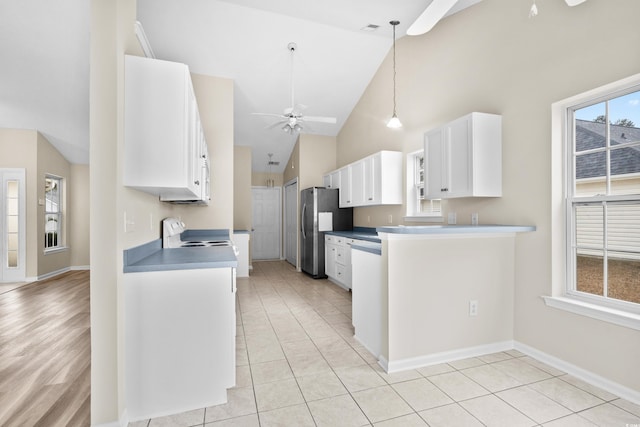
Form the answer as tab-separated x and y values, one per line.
13	225
291	223
267	220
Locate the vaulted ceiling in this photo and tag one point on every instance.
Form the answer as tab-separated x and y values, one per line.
44	46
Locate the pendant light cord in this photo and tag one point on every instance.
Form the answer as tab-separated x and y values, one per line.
394	23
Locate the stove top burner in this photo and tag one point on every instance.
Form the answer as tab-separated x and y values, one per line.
205	243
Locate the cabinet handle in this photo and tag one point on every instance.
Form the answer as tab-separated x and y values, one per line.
370	198
197	182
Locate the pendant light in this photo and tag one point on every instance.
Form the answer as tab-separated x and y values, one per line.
394	122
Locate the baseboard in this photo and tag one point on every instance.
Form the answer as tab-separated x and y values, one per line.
445	356
53	273
31	279
612	387
80	267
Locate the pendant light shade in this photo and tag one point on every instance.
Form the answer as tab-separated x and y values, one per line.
394	122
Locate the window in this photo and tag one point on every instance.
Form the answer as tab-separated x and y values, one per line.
418	207
53	212
603	201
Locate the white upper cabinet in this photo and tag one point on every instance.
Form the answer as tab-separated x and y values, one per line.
357	183
165	149
332	180
374	180
344	175
383	178
464	158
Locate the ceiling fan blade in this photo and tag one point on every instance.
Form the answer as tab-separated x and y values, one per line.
574	2
276	124
268	115
320	119
430	17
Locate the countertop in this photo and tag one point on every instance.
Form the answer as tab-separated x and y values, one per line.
152	257
456	229
360	233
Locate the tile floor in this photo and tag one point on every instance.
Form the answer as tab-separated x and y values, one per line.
298	365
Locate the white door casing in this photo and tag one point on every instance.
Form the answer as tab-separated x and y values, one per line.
291	222
13	225
267	220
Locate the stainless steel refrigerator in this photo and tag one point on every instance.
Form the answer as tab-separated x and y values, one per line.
319	213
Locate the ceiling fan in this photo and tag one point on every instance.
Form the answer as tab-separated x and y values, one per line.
437	9
292	120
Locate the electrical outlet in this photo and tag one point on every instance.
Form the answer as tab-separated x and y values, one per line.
452	218
368	218
473	308
474	219
390	219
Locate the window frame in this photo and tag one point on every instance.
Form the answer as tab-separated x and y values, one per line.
414	201
60	244
563	295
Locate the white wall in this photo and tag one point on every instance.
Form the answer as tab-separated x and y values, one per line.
492	58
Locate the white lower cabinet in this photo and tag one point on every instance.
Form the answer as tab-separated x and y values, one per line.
179	340
367	300
338	259
330	255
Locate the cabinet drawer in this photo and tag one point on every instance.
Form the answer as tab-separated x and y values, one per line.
340	272
329	239
340	255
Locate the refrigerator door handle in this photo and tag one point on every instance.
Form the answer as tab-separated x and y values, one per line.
304	208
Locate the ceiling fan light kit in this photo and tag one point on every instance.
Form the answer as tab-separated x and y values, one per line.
394	122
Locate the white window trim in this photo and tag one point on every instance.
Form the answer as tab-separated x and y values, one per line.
61	228
561	297
412	214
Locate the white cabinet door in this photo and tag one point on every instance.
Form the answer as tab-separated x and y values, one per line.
435	159
326	181
464	158
357	183
330	254
345	187
459	158
373	181
335	179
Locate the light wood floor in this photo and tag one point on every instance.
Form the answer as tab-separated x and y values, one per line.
45	353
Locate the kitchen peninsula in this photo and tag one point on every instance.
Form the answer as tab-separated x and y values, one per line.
445	292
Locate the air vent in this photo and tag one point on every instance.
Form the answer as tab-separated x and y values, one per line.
370	27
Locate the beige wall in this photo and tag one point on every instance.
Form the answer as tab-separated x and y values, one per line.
493	58
311	158
215	103
242	206
19	149
79	216
30	150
